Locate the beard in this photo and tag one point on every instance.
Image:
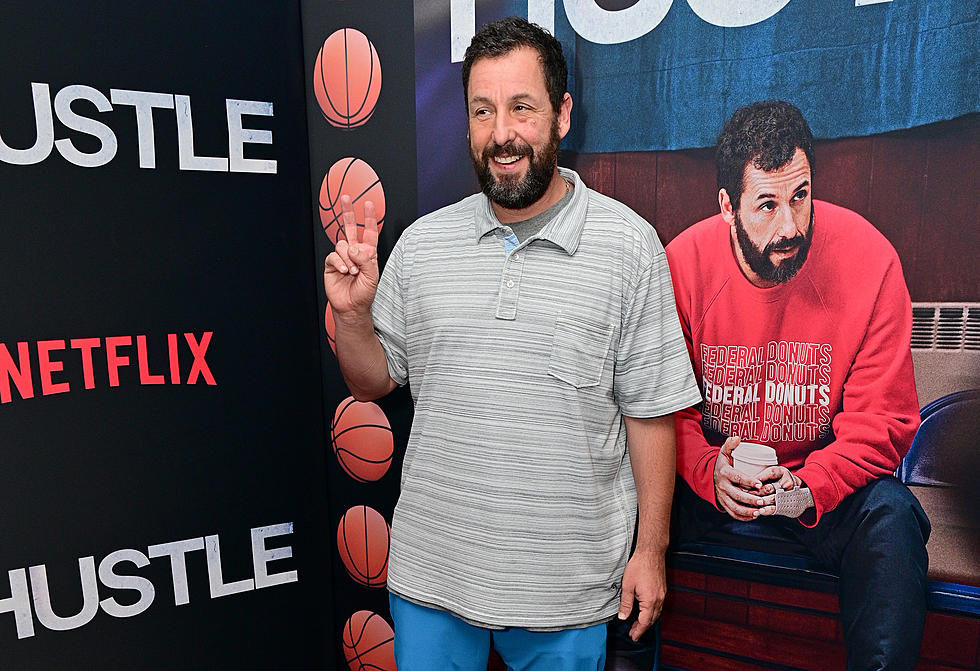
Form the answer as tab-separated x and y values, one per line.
512	191
759	259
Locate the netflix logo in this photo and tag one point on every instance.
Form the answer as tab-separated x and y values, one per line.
48	367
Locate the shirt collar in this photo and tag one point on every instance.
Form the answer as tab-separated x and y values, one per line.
565	230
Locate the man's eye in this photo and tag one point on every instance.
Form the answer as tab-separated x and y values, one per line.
800	195
767	206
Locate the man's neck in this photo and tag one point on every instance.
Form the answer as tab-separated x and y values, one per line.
557	188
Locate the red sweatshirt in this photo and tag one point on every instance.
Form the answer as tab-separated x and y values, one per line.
819	367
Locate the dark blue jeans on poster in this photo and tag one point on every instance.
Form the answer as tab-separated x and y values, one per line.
623	654
874	540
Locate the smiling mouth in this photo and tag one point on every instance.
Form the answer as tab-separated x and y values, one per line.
506	160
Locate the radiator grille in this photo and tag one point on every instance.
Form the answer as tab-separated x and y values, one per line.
946	326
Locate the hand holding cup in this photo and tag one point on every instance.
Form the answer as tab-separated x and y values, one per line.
739	493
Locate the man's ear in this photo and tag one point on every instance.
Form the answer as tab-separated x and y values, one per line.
725	203
565	115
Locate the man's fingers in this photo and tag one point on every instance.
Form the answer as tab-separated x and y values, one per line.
745	498
643	621
777	477
345	251
370	235
739	512
335	263
740	504
736	477
646	616
348	219
770	473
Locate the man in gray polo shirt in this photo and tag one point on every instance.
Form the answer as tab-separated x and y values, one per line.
535	325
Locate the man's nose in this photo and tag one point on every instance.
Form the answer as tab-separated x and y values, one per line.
785	224
503	129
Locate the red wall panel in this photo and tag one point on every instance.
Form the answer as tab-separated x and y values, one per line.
916	186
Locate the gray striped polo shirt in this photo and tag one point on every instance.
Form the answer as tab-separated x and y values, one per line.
517	504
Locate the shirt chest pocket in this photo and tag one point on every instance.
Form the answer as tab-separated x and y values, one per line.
579	350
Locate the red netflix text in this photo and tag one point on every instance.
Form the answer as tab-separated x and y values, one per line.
41	368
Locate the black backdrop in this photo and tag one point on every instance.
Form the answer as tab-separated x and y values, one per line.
387	143
119	250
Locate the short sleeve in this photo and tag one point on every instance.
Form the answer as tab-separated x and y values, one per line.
653	368
388	312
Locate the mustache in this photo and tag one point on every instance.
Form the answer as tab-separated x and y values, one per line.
785	245
507	149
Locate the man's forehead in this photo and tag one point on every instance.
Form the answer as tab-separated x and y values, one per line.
524	51
790	175
523	60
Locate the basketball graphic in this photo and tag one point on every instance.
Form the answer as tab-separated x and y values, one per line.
362	540
329	326
362	440
347	78
357	179
369	642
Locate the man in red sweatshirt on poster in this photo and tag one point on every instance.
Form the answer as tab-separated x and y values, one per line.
798	322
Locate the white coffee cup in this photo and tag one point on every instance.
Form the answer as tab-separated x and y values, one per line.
751	458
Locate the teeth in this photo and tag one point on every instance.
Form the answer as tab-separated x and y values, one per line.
506	160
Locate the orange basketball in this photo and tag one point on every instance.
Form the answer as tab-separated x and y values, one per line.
329	326
357	179
362	440
369	643
362	540
347	78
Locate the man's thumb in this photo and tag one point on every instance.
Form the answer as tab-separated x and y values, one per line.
729	446
625	604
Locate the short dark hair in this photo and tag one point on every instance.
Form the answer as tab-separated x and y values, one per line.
504	36
767	133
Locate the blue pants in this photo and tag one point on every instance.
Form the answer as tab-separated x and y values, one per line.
428	638
874	540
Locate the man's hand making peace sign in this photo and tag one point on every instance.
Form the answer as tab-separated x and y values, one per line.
350	279
350	273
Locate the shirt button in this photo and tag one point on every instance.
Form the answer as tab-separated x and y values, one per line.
515	257
510	284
